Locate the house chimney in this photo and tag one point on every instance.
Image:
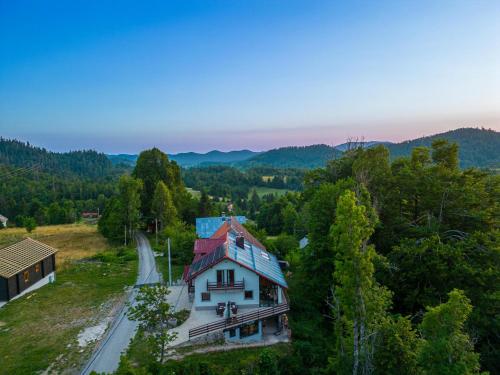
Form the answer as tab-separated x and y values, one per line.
240	241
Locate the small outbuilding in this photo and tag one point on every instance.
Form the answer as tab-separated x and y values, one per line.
25	266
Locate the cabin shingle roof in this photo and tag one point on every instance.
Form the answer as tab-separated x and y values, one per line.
22	255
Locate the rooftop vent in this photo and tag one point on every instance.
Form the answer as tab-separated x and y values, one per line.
264	255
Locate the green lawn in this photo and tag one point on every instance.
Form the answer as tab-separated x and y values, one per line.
261	191
40	330
162	265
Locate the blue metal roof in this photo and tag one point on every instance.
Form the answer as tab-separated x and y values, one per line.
257	259
207	226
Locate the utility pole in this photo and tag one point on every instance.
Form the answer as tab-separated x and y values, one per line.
156	230
169	264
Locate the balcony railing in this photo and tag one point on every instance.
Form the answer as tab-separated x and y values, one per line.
237	320
226	285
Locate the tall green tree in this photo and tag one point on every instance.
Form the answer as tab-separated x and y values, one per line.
153	166
359	302
163	208
205	205
129	190
290	219
446	348
153	312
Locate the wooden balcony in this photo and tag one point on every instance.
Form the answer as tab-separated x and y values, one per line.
214	286
239	319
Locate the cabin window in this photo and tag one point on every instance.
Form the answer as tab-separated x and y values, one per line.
248	294
249	329
225	277
232	332
37	267
205	296
26	276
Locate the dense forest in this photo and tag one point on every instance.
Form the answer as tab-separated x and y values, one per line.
52	188
229	182
401	274
294	157
478	148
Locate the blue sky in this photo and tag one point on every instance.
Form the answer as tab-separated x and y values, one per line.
213	74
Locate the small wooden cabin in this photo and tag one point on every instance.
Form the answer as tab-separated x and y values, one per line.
22	265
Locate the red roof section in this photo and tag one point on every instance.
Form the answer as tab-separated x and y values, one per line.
234	225
207	245
222	231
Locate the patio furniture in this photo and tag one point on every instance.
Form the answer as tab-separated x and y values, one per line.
234	308
221	307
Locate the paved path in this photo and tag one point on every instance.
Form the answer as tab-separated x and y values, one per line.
107	356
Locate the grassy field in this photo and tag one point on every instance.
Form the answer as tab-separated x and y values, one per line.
261	191
40	330
74	241
194	193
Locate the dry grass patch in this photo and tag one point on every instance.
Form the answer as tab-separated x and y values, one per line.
40	331
74	241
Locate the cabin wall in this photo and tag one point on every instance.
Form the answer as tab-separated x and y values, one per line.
4	289
48	265
12	286
33	277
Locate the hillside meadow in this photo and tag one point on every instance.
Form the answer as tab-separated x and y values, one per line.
39	331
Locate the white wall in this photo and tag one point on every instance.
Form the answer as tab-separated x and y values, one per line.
238	296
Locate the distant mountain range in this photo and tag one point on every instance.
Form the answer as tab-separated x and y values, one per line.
346	146
478	148
191	159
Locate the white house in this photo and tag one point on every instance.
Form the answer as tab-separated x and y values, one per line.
235	277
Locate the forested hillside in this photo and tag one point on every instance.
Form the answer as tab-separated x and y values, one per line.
52	188
294	157
87	163
191	159
477	147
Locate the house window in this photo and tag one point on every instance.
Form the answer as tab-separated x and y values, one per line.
26	276
248	294
249	329
37	267
232	332
205	296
